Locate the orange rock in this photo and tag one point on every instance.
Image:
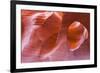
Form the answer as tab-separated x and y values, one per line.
49	32
42	40
51	26
48	45
76	34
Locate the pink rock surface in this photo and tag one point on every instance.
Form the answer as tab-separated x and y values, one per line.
45	39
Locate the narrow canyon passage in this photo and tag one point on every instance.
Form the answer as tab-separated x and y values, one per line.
54	36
